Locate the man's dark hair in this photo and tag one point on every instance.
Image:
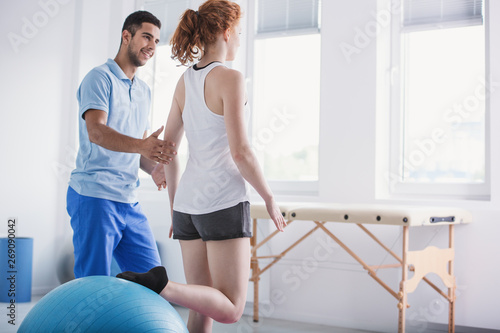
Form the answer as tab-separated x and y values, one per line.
135	20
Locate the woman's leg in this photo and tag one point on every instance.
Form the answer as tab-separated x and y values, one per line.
194	256
229	265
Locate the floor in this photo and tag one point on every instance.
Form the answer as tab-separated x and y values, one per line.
269	325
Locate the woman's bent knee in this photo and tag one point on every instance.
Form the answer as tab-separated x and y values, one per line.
232	316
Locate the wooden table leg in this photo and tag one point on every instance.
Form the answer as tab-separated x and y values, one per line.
255	272
451	291
403	301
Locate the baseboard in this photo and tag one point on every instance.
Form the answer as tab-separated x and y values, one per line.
427	327
466	329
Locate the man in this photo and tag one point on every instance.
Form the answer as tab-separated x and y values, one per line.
102	202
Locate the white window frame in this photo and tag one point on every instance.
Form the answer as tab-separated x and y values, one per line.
284	187
396	187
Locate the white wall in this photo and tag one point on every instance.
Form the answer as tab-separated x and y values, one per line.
37	101
47	48
338	291
38	140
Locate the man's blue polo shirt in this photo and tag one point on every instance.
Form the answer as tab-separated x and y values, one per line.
102	173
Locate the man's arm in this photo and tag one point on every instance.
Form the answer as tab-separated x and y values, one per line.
150	147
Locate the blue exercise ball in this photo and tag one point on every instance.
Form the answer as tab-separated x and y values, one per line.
102	304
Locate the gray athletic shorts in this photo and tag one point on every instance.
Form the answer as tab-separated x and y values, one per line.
229	223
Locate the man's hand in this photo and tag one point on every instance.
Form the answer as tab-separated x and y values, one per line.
158	175
150	147
157	150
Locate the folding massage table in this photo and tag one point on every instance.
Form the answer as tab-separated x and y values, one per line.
429	260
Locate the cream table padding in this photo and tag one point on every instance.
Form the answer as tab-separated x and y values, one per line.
367	214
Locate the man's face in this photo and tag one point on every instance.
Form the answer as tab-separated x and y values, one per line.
142	46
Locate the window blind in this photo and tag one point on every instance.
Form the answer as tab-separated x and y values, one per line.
287	15
169	13
432	14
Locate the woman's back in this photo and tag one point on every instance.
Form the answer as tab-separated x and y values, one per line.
211	180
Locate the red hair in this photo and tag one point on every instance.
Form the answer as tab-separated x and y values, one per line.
197	29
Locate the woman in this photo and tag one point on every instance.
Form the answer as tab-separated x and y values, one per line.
211	213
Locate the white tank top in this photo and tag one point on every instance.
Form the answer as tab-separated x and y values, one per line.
211	181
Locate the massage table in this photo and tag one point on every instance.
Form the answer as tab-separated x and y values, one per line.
428	260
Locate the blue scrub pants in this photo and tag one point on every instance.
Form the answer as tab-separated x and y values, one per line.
103	229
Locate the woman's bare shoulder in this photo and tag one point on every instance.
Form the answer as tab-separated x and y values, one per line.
226	76
180	93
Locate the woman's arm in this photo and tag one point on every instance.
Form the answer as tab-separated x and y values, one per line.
174	129
232	91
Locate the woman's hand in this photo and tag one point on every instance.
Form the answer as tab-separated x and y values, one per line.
171	230
158	175
275	214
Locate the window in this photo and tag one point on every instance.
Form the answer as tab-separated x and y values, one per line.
168	12
161	73
439	99
284	92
